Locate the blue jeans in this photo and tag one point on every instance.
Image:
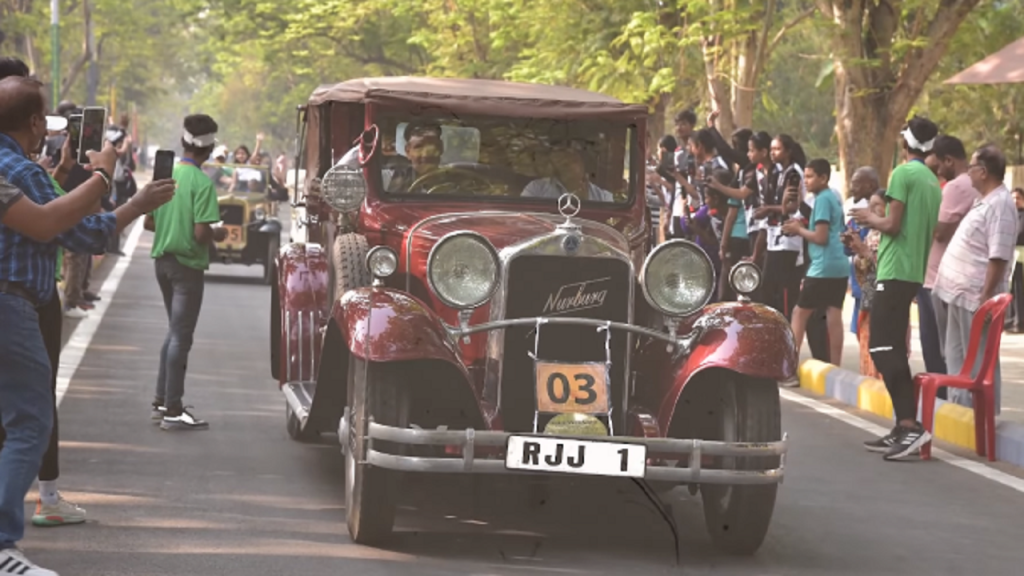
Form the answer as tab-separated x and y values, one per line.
182	289
26	406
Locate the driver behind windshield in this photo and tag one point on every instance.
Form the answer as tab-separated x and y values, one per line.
423	148
570	176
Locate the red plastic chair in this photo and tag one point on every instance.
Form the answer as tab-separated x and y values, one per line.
981	386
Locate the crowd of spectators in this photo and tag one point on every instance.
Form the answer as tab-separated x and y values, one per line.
945	233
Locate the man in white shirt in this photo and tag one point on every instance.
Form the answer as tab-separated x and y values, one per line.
975	267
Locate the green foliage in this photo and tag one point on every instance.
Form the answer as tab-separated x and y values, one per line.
248	63
980	114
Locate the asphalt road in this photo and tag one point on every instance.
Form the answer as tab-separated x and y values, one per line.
242	499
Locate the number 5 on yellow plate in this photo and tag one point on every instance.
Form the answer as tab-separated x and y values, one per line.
581	387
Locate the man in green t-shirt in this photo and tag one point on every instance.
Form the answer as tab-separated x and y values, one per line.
913	200
181	249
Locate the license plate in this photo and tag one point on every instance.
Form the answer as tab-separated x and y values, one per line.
581	388
235	235
566	456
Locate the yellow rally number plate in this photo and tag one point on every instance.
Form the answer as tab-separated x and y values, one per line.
235	235
580	388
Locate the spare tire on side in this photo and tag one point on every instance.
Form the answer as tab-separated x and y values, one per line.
348	265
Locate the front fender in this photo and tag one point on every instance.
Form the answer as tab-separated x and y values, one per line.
386	325
271	227
303	308
749	339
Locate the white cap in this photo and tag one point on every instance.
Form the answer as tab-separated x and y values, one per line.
220	151
202	141
56	123
914	143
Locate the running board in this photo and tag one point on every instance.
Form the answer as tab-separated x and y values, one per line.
299	396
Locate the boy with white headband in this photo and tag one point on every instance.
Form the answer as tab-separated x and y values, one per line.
181	249
913	199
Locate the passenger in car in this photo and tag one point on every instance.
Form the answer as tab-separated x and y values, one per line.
570	176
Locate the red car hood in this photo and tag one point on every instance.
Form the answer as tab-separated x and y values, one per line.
504	229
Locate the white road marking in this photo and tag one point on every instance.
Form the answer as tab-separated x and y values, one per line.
972	466
73	352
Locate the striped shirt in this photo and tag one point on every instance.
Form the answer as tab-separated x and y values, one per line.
987	232
32	263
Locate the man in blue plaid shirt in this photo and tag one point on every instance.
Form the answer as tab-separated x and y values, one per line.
27	267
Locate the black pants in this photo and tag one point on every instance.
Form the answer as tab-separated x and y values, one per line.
817	336
51	322
782	281
890	317
1015	318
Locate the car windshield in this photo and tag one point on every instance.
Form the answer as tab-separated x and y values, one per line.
238	177
507	158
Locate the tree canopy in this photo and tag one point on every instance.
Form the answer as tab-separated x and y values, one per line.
840	76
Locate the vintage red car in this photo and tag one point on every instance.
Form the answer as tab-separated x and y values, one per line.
477	294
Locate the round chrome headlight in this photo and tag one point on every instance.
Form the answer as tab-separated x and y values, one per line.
745	278
381	261
463	270
678	278
259	214
343	188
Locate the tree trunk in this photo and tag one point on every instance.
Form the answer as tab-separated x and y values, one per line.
30	53
874	91
862	128
745	86
721	95
658	125
92	74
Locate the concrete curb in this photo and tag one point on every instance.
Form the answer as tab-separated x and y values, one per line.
953	423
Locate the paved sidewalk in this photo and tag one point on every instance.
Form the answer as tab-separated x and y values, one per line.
1011	363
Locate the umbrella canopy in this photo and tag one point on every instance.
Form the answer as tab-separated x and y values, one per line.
1003	67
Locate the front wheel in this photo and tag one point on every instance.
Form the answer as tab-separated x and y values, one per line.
375	392
270	265
737	517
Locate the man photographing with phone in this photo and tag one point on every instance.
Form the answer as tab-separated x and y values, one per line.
181	250
28	259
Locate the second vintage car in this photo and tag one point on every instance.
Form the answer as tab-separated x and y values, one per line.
248	215
476	294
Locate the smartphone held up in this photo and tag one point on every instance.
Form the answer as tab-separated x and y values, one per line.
163	165
91	128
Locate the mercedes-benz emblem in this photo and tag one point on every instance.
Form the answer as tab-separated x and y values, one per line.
571	243
569	205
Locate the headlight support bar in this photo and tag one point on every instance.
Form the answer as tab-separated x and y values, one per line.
680	343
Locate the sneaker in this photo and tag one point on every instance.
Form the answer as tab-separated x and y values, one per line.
909	443
12	561
793	382
75	313
91	296
183	421
59	514
886	442
158	413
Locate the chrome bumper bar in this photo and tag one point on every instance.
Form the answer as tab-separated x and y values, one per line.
468	440
684	342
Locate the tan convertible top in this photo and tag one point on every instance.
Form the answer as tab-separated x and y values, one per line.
485	97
